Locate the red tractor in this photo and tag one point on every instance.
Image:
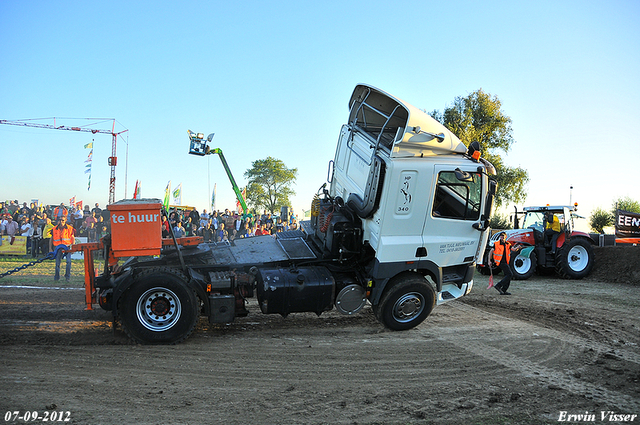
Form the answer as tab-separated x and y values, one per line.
569	252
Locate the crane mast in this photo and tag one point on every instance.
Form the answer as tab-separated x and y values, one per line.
112	161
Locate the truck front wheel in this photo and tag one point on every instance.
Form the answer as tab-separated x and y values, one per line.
159	308
407	302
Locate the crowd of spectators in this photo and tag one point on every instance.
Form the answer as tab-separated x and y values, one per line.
37	221
220	226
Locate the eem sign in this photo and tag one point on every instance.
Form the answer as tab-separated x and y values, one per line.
136	227
627	224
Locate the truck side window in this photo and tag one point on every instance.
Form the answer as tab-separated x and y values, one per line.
457	199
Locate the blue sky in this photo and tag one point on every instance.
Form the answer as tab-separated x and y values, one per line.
274	79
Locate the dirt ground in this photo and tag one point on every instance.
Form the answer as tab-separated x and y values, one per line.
553	349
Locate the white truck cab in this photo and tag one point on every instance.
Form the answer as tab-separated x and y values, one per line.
424	201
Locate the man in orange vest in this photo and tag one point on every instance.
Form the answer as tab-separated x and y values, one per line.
62	235
501	256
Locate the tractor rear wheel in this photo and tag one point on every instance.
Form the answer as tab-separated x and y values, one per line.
574	260
159	307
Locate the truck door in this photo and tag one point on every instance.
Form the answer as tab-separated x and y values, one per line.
456	205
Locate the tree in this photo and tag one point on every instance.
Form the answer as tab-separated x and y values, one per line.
269	184
625	204
478	117
599	219
500	221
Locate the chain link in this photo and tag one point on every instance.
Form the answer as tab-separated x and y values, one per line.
49	256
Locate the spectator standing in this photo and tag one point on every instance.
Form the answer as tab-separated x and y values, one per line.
222	233
62	235
78	218
46	236
214	220
10	227
207	232
166	232
91	223
26	230
179	231
188	227
97	210
59	212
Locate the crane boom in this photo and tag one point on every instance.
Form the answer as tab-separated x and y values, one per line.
199	147
112	159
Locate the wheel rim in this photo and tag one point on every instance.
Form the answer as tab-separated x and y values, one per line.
158	309
577	258
522	264
408	307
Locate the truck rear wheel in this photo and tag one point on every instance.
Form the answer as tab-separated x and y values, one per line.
575	259
407	302
159	307
523	267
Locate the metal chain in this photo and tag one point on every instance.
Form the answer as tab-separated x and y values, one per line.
49	256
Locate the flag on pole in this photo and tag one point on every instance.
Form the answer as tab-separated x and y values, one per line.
177	195
88	166
72	202
167	192
79	205
238	204
213	198
136	191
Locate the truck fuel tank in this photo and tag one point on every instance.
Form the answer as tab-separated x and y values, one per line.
295	290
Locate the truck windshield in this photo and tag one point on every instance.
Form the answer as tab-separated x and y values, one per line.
457	199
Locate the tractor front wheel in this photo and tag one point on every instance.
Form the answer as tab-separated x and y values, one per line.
524	266
574	260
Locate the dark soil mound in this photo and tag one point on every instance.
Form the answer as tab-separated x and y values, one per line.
618	264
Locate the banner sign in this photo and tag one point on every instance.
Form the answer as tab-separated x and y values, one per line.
18	247
627	224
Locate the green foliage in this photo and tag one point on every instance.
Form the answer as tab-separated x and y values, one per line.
500	221
599	219
625	204
270	184
478	117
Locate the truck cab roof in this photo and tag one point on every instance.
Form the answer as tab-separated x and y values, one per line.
398	127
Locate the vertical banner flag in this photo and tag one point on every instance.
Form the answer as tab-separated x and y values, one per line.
136	191
72	202
177	195
213	198
167	192
88	162
238	204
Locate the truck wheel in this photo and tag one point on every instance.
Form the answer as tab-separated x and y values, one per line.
574	259
159	308
407	302
523	267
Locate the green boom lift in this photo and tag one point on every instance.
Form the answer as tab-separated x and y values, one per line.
199	146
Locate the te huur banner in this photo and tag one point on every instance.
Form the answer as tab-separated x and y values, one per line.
627	224
18	247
